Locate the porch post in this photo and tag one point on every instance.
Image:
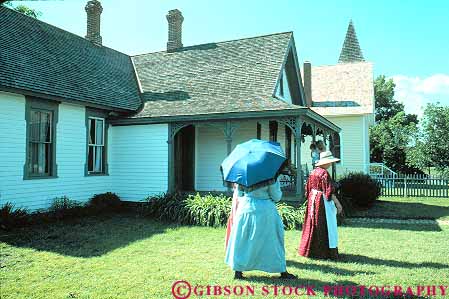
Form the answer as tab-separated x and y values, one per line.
229	130
171	159
299	174
313	133
332	149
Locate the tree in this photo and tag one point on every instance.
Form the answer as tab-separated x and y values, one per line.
432	148
23	9
386	105
416	157
394	132
390	140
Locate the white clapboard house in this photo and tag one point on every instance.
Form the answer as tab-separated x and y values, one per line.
78	118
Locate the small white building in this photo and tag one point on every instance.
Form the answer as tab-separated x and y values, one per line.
344	94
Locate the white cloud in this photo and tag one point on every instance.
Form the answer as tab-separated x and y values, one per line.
416	92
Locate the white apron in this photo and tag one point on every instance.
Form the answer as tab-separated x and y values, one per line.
331	219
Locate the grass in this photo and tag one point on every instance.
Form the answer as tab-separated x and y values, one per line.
129	257
409	208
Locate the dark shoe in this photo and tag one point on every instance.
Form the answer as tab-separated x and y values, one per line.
334	254
286	275
238	275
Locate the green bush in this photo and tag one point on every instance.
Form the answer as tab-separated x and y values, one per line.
291	217
105	202
11	217
63	207
358	191
208	210
166	207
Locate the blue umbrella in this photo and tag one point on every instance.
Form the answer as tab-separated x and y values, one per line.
253	162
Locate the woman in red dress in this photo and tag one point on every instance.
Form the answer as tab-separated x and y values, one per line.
319	233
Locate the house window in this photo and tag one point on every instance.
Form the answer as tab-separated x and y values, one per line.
259	131
273	125
96	143
96	148
281	86
41	118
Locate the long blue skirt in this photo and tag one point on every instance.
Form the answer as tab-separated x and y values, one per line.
257	237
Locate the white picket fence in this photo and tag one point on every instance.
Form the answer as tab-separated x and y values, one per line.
413	185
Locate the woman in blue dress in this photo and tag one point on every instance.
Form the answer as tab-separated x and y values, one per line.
256	241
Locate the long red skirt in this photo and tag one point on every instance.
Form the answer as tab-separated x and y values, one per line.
315	240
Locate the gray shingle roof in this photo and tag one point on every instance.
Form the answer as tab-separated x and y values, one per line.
224	77
41	58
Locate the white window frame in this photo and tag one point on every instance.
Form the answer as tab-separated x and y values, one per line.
31	173
94	145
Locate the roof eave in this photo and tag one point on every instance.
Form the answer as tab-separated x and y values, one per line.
62	100
319	118
211	117
265	114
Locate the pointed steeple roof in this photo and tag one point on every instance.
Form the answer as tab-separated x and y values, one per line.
351	49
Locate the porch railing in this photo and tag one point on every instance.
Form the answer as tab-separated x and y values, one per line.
380	170
288	181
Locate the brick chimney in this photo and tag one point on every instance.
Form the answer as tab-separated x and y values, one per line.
307	78
174	18
93	9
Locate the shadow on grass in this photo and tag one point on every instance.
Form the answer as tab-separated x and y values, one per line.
86	237
361	259
324	268
405	210
428	227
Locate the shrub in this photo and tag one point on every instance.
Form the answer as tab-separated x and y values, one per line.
63	207
105	202
208	210
166	207
358	191
10	217
291	217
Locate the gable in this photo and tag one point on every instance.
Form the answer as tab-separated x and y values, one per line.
289	86
224	77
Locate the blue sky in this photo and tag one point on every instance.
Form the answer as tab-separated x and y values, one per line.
406	40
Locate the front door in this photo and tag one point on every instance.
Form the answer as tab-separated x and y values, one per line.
185	159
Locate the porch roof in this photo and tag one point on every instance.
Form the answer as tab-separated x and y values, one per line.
304	113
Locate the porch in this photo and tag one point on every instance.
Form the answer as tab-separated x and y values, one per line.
197	147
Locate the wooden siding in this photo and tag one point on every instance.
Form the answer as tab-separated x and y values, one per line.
140	161
70	158
137	159
211	150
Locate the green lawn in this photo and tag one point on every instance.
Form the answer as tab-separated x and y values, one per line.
409	207
130	257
